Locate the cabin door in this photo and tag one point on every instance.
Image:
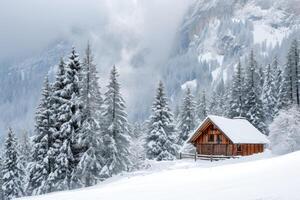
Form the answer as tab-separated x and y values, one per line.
239	149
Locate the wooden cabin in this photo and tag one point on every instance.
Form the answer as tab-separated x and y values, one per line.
231	137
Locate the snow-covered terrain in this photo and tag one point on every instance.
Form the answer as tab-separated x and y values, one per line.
258	177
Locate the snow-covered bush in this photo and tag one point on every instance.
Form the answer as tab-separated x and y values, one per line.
188	148
285	132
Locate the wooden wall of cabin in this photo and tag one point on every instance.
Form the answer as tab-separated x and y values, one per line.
216	149
229	149
204	137
249	149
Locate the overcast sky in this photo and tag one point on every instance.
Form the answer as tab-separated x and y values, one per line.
136	35
30	25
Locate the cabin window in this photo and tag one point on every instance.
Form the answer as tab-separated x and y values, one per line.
239	147
211	138
219	139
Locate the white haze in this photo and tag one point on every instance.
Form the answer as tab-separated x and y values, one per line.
136	35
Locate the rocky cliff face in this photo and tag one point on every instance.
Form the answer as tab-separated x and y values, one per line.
215	34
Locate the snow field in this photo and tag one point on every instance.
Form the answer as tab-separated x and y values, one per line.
273	178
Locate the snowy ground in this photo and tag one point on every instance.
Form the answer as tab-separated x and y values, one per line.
259	177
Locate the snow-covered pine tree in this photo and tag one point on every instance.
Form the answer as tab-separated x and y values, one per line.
42	156
213	103
260	79
56	102
253	103
89	168
292	72
269	94
161	135
25	152
177	113
297	73
237	94
201	108
117	136
226	99
25	148
90	90
89	138
218	108
284	99
66	92
279	92
187	117
12	181
288	79
137	148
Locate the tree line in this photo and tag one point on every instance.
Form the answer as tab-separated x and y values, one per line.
255	92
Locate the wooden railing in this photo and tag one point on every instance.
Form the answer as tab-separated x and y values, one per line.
211	158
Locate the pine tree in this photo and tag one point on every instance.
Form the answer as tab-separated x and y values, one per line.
226	100
280	92
297	77
67	101
288	73
221	109
117	136
160	139
284	99
268	94
237	94
137	149
89	168
177	113
187	117
63	166
201	107
253	103
91	95
57	101
292	73
216	102
12	185
213	103
89	138
25	152
42	158
25	147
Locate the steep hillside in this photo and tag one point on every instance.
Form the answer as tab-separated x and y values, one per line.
21	84
266	179
215	34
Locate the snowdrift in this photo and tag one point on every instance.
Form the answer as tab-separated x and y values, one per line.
268	179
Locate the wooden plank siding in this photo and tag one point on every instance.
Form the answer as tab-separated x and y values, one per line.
221	144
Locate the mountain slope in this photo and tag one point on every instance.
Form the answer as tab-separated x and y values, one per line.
215	34
268	179
21	84
212	37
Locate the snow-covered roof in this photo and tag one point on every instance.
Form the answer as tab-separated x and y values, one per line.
238	130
